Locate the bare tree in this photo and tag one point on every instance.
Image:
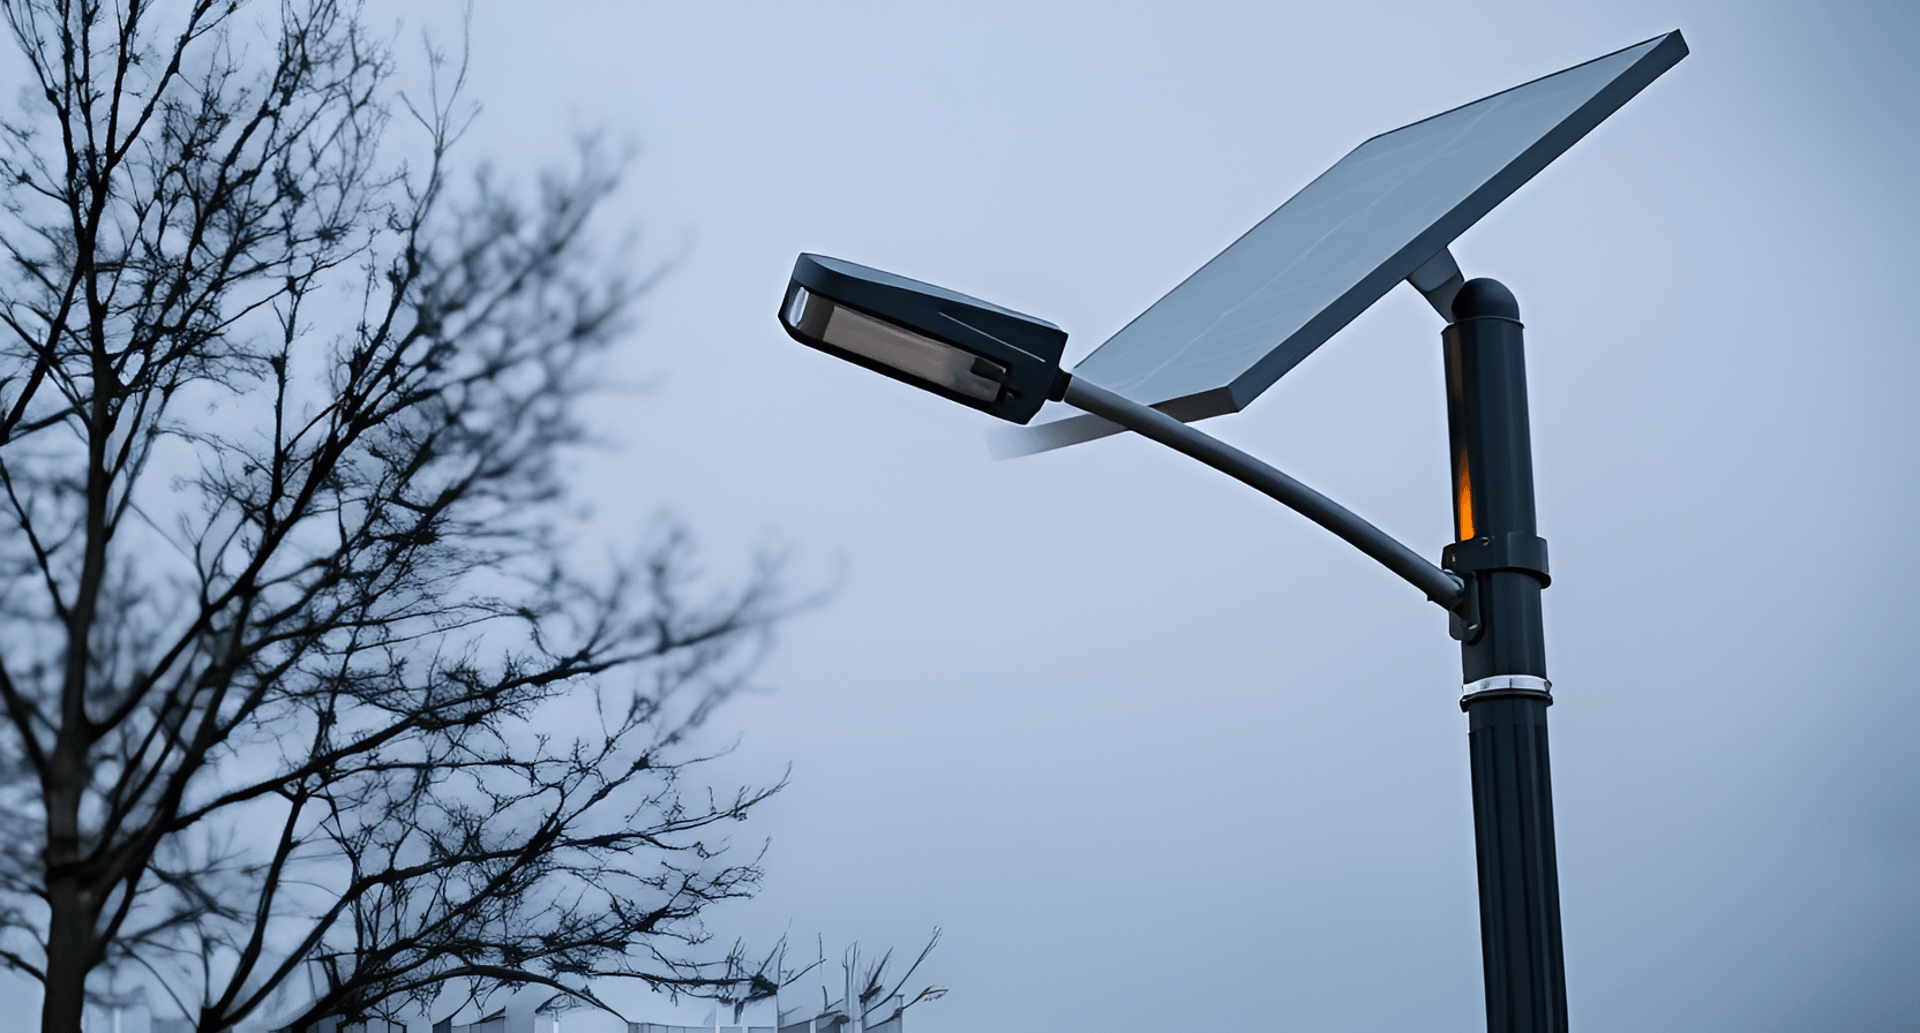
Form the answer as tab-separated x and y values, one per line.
868	994
865	995
293	682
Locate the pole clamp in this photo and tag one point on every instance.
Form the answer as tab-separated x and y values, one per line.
1514	550
1525	686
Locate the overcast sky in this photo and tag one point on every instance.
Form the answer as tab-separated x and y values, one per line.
1157	753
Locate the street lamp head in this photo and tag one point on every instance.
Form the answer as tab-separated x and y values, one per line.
962	348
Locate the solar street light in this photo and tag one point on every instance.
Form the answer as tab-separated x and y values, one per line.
1386	212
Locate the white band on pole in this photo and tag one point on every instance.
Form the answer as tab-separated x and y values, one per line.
1507	681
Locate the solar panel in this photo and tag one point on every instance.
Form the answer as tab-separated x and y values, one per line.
1253	312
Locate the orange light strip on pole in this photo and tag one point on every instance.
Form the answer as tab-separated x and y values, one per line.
1463	499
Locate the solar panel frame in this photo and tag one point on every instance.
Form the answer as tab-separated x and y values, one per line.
1223	393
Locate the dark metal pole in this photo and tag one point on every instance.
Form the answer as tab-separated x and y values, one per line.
1503	659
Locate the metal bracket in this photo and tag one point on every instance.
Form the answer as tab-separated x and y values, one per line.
1524	553
1438	279
1514	550
1463	620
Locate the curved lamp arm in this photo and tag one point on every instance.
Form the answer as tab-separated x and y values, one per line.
1439	585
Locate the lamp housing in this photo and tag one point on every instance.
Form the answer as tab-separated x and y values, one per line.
970	351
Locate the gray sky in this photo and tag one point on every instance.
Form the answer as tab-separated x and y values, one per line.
1157	752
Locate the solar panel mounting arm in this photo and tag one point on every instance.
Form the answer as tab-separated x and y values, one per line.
1438	279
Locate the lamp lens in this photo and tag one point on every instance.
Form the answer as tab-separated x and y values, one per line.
918	356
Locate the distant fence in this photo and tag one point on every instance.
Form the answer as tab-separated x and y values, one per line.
655	1027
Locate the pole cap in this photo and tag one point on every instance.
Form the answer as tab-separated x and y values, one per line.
1483	297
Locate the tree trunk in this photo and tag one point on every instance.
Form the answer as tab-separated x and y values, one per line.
69	947
70	901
